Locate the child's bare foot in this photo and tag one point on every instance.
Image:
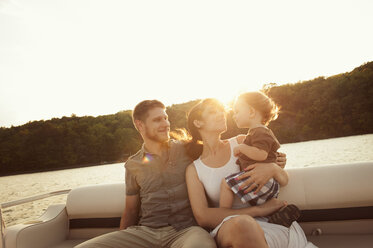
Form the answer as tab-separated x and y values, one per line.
271	207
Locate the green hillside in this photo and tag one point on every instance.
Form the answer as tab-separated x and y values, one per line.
337	106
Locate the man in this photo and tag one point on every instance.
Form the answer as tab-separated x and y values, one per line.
157	211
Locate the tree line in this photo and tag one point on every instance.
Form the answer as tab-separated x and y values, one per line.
321	108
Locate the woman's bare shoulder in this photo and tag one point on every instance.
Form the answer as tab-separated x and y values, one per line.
240	138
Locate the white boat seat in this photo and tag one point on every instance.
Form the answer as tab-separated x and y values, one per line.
336	201
69	243
327	187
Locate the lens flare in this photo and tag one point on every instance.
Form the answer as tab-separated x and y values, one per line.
147	158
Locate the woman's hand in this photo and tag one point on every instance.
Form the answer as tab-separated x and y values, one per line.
281	159
260	173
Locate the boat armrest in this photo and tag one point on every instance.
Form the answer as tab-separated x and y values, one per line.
95	209
49	229
96	201
332	186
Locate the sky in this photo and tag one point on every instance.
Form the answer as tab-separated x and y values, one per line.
90	57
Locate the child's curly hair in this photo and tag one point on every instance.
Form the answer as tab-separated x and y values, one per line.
262	103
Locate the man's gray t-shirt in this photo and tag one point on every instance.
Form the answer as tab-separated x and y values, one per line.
160	182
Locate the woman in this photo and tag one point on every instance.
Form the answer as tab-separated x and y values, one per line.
214	160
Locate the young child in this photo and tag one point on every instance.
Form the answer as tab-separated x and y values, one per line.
254	110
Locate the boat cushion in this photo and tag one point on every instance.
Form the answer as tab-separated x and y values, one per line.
69	243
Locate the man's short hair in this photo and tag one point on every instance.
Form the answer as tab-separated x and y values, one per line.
140	112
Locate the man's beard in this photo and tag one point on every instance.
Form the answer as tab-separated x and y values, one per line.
155	137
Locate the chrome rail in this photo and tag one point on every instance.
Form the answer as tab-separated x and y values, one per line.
33	198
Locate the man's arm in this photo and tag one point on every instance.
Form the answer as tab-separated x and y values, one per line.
130	214
281	159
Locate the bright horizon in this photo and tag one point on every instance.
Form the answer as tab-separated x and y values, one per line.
92	57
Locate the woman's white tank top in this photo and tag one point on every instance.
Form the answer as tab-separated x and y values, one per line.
211	177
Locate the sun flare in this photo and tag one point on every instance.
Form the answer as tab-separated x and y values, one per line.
228	96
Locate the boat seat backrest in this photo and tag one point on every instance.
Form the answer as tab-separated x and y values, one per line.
332	186
96	201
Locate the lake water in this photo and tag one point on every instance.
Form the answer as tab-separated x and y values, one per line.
302	154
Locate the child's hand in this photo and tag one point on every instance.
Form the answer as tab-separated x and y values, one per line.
236	151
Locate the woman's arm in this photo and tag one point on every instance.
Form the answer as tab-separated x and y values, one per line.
210	217
260	173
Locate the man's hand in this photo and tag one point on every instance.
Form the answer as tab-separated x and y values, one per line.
236	151
131	211
281	159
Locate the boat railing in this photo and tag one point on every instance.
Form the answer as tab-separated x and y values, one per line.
22	201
